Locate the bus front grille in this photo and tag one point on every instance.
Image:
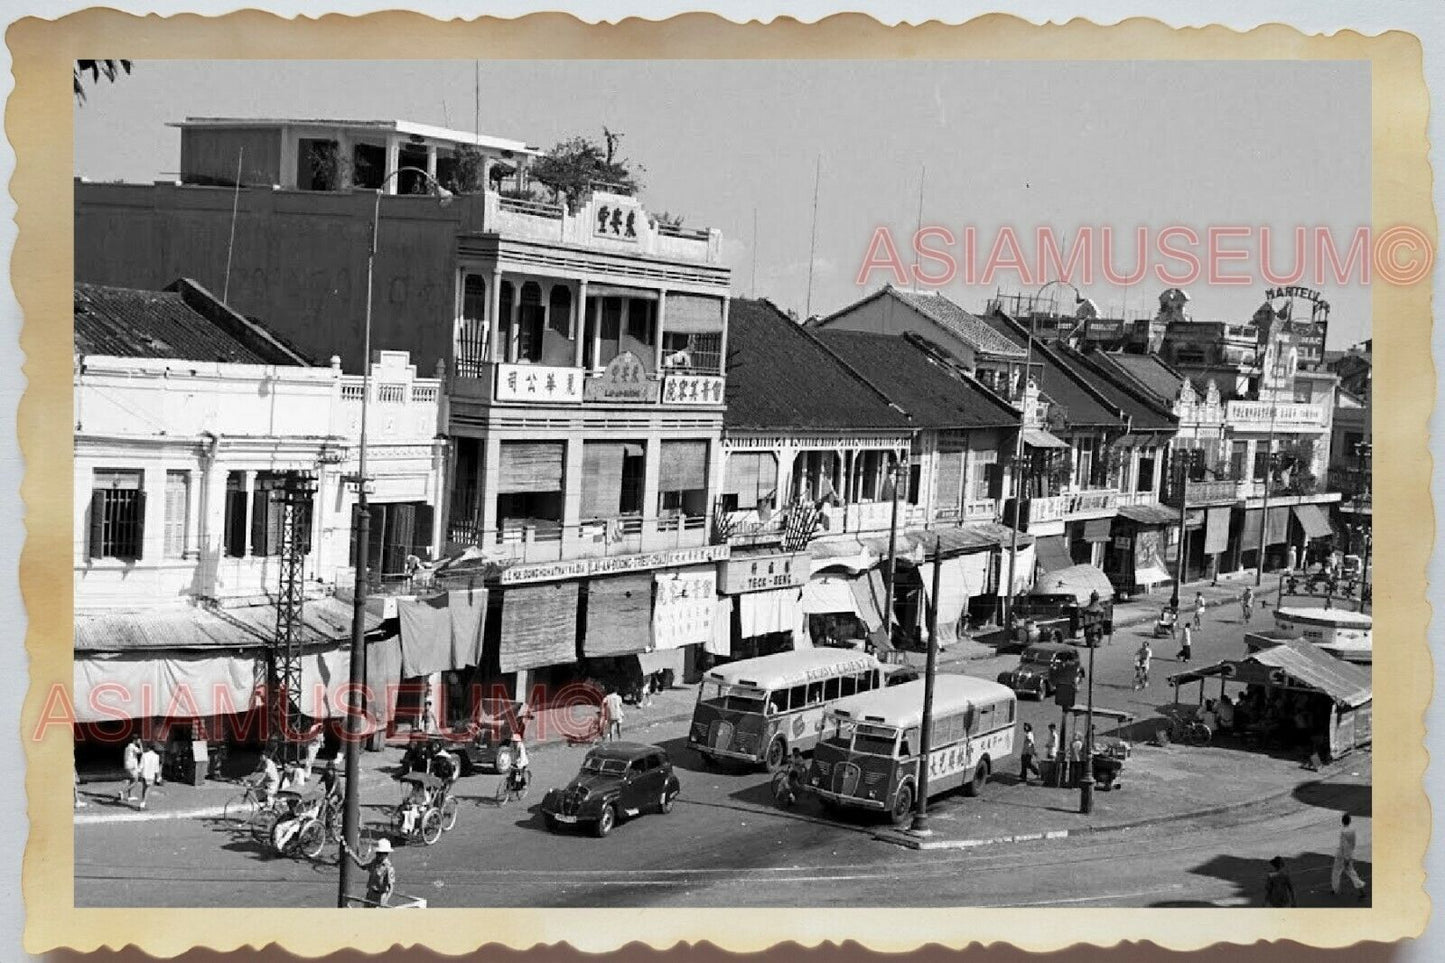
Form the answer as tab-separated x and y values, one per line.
720	735
845	779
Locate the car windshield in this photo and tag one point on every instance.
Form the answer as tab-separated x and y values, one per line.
875	740
605	766
732	698
1036	655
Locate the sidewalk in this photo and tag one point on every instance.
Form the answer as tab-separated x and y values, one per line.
1157	785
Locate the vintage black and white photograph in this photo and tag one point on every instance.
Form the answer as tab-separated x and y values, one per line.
723	483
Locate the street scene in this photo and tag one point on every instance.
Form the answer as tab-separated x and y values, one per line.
456	525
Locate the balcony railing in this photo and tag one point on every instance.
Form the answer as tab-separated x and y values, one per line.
1206	492
1350	481
594	538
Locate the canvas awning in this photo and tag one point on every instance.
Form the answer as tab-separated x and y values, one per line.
136	685
846	553
1039	438
871	594
1216	530
1313	520
1053	553
774	610
1277	526
828	594
1080	581
1149	514
1250	531
969	537
953	593
619	612
539	626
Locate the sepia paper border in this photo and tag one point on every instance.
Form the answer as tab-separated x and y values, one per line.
39	120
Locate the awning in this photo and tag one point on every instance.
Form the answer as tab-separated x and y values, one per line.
1080	581
871	595
1249	532
1149	514
618	291
907	549
1097	529
179	684
969	537
323	621
828	594
845	553
1053	553
426	635
1312	519
1038	438
1305	663
468	611
953	593
618	612
1216	530
1277	528
693	314
660	659
775	610
539	626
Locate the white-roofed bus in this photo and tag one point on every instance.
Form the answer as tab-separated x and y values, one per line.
869	753
759	710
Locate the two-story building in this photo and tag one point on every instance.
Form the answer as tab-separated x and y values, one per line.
190	420
1350	448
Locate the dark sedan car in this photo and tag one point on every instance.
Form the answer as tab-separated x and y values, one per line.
1039	665
617	780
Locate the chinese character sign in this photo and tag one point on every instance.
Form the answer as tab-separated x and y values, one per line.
684	609
693	390
538	384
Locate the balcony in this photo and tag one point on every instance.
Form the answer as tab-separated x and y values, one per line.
597	538
1075	506
1219	491
1348	481
1279	416
748	527
609	222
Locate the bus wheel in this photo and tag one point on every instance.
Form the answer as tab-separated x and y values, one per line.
902	804
777	755
980	775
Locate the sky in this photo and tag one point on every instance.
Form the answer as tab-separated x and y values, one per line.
988	145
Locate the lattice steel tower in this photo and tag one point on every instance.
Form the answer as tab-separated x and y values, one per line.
296	496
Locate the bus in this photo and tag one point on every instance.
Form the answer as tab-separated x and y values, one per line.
759	710
868	755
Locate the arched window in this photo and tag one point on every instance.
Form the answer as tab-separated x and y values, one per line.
559	310
473	338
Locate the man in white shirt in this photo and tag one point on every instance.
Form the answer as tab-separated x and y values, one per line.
612	715
1345	860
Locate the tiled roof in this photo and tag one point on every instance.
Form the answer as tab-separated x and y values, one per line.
961	324
780	376
1081	405
1148	371
133	323
1144	415
918	384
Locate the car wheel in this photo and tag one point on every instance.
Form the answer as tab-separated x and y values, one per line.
777	754
980	776
605	821
664	805
464	764
902	805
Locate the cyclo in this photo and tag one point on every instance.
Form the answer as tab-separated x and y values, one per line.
302	824
428	809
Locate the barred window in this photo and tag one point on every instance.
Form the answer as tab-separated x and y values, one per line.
178	514
117	513
268	516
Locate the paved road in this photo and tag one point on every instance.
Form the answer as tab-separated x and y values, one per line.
726	844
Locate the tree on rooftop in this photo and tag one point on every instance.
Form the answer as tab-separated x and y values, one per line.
574	167
96	68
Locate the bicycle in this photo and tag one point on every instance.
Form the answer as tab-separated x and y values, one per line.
1141	676
1190	732
513	785
304	831
252	812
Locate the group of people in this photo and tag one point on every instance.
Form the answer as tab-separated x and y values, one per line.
1067	762
1279	888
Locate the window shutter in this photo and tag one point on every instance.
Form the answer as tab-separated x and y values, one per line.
682	466
259	499
949	487
531	467
97	524
601	479
994	473
421	536
140	524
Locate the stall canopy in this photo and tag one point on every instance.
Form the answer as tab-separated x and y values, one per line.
1053	553
1313	520
870	594
1306	664
1076	580
970	537
179	684
953	593
1216	530
846	553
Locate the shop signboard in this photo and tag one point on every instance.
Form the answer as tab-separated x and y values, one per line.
624	381
758	573
613	565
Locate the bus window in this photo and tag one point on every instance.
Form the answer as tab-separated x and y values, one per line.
797	697
815	693
1010	705
983	719
831	688
849	684
777	702
838	733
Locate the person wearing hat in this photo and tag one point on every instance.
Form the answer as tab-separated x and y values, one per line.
1278	887
520	762
380	873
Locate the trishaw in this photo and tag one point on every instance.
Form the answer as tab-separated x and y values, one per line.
428	809
301	824
1164	626
1109	752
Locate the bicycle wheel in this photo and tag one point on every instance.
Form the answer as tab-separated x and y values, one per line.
239	809
504	791
261	824
333	824
449	813
522	793
312	839
431	826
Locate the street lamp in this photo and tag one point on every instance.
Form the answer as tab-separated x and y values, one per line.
351	811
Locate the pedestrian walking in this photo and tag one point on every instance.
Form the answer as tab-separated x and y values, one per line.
313	749
1026	758
1051	752
1076	757
1345	861
1186	645
380	873
612	715
1199	610
1278	887
1142	658
131	761
1246	602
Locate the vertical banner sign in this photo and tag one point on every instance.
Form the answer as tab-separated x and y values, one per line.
685	608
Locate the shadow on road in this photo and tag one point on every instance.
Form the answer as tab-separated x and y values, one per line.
1310	873
1341	797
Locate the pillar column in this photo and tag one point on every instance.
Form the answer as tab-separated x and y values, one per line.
657	331
579	321
487	489
494	317
393	161
513	332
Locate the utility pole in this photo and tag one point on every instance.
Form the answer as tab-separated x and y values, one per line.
1013	539
1181	479
930	672
1086	779
1264	510
892	554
